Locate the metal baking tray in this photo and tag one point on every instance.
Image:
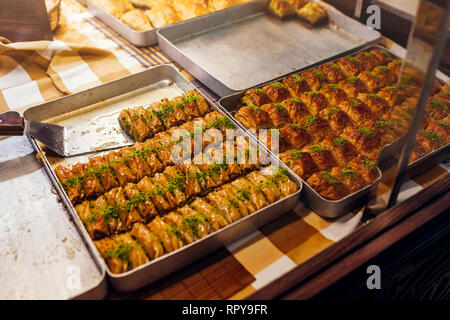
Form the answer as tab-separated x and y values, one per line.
333	209
109	99
41	250
243	47
138	38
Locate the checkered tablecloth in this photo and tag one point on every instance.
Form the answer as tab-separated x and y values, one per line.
86	53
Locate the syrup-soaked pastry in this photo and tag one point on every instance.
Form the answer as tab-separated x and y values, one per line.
316	127
300	162
254	117
281	8
162	15
135	253
278	114
104	171
441	127
336	117
327	185
322	157
365	167
342	150
334	94
395	65
312	13
315	78
417	152
296	84
296	108
295	136
382	56
332	71
357	110
437	108
95	224
349	177
352	86
255	97
367	60
168	233
371	81
362	137
376	104
314	101
116	256
141	201
388	75
392	95
148	240
350	65
277	91
430	140
136	19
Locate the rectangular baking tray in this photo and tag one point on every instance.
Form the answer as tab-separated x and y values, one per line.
39	244
159	82
138	38
333	209
243	47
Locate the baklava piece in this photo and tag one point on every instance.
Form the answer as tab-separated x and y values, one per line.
350	178
296	84
300	162
327	185
276	91
312	13
255	97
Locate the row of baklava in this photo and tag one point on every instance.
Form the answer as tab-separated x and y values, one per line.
195	220
143	123
131	164
118	209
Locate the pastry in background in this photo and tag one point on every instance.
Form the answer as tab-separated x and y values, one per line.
162	15
215	5
111	7
147	3
281	8
125	5
137	20
188	9
312	13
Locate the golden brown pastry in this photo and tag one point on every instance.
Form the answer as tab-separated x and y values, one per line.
312	13
327	185
300	162
349	177
147	3
188	9
281	8
255	97
342	150
294	135
162	15
296	84
277	91
215	5
112	7
137	20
